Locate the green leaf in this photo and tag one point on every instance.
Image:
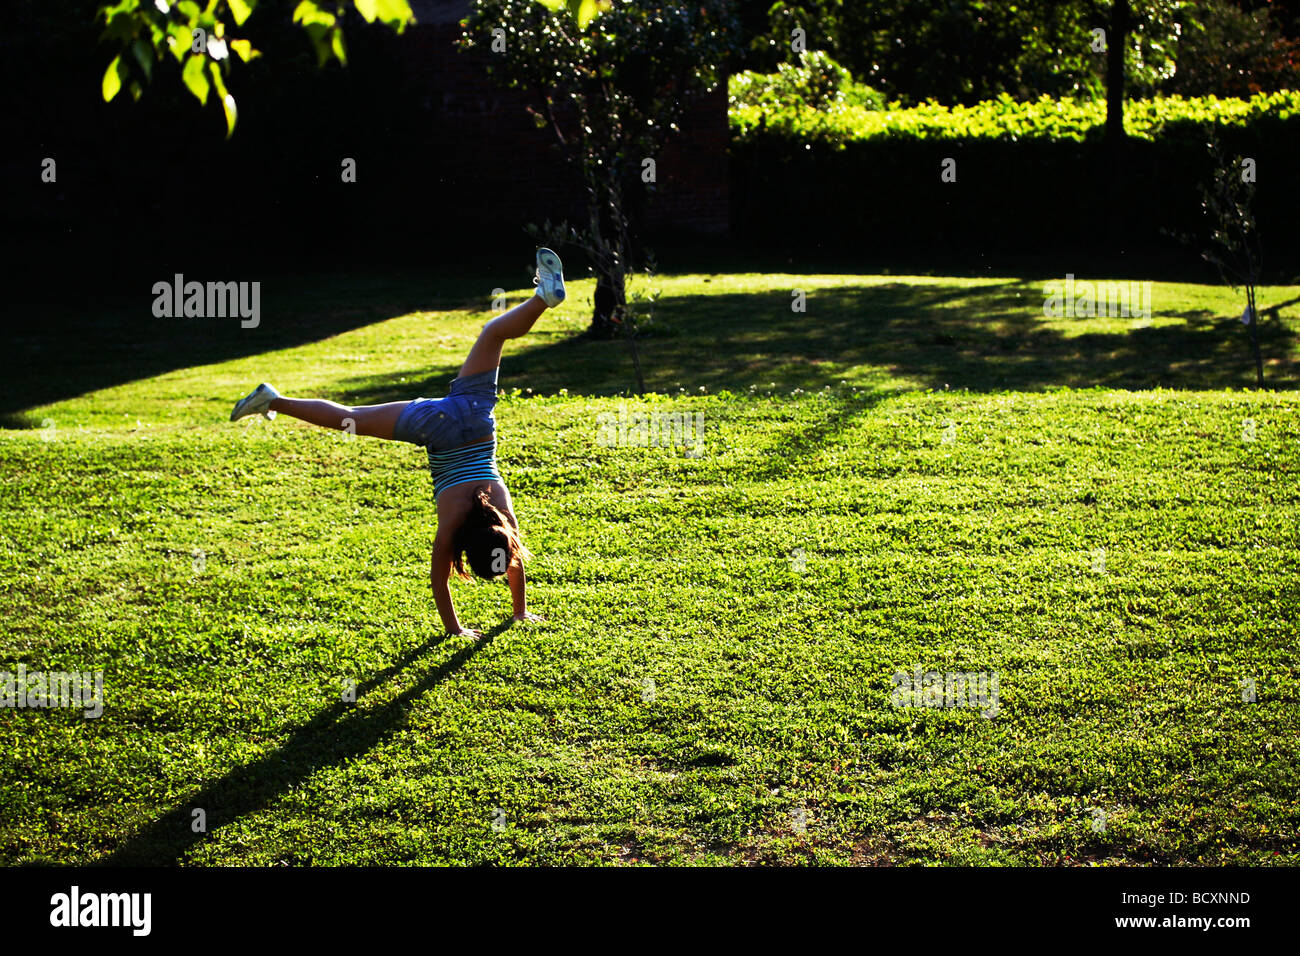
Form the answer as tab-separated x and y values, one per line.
395	13
113	78
144	56
584	11
244	50
121	22
195	77
232	113
309	12
240	10
336	45
319	25
227	101
178	40
108	11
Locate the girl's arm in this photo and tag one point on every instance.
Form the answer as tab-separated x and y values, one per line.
439	575
518	593
515	573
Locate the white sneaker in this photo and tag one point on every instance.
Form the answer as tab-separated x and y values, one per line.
254	402
550	277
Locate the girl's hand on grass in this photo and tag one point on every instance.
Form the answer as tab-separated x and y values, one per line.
466	632
528	617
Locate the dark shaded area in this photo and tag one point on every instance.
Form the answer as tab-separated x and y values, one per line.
1014	206
988	338
150	189
338	734
981	338
798	442
449	168
63	349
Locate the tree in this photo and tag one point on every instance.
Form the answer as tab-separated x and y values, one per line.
1227	51
201	40
961	51
611	89
964	51
1234	247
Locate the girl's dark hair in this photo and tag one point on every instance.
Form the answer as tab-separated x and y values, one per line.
487	540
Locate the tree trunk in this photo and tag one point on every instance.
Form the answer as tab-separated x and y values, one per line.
609	228
604	308
1253	328
1116	204
1116	43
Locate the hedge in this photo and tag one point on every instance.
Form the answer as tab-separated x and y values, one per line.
1032	180
1004	118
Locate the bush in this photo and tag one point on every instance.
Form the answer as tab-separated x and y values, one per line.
1233	52
1033	180
1004	118
816	83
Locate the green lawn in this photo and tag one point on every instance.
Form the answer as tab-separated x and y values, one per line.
915	473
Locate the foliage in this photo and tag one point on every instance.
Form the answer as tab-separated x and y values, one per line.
582	11
611	91
200	39
1227	50
965	51
816	82
1005	118
969	50
1233	246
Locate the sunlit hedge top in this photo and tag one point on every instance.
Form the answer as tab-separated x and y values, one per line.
1004	118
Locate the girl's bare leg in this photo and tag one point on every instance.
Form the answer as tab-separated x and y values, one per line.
486	353
376	421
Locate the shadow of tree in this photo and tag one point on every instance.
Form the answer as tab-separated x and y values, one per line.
985	337
332	737
68	351
798	441
982	338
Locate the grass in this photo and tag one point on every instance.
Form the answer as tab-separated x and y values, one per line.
913	473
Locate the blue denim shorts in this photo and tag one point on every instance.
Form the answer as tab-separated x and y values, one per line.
464	416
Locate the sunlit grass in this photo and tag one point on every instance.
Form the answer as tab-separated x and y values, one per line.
713	680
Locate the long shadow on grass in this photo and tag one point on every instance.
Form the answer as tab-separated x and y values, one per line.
983	338
332	737
783	456
987	337
69	351
729	340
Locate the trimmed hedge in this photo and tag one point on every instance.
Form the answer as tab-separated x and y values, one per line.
1033	181
1004	118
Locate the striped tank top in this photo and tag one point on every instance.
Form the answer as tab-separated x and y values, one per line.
456	466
